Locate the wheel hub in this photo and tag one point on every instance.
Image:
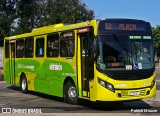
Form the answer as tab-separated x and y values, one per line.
72	93
23	84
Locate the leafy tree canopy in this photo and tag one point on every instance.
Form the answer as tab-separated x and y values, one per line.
37	13
21	16
156	37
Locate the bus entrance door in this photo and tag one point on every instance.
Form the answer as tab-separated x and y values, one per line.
12	62
86	68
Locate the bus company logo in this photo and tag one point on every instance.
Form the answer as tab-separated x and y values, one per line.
20	111
55	66
25	66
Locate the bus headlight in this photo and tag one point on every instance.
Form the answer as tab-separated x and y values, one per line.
153	83
106	84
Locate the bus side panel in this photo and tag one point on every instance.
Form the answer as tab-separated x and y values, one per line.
56	72
6	71
40	75
29	67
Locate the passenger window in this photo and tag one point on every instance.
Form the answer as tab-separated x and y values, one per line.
29	43
20	48
67	44
40	47
53	45
6	48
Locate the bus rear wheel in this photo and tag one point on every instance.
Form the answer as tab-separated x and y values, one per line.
70	93
23	84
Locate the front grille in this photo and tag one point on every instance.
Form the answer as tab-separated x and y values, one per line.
142	92
135	76
127	93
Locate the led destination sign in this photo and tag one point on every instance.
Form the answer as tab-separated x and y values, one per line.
123	26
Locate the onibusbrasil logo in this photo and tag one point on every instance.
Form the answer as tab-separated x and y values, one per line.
21	110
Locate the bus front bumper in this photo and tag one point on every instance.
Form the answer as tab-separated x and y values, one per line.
104	94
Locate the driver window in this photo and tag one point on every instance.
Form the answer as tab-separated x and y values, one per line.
110	54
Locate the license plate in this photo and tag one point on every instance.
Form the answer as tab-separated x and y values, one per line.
134	93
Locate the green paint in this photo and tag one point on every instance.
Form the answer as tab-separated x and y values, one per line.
50	75
7	73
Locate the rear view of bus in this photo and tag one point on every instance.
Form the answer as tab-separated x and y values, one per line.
125	60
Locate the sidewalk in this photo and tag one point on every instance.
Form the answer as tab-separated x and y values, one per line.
157	65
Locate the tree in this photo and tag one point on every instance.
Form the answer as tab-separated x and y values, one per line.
38	13
25	11
67	11
22	16
156	37
6	18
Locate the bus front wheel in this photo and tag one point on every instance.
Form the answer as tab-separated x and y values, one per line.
23	84
70	93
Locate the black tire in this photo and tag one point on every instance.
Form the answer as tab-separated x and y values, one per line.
23	84
70	93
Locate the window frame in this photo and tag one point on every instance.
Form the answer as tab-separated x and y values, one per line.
47	48
65	39
43	52
21	51
26	51
6	49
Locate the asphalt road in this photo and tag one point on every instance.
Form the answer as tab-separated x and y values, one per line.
12	98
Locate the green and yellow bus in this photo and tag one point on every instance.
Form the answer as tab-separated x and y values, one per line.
97	60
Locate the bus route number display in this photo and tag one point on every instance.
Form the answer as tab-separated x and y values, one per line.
123	26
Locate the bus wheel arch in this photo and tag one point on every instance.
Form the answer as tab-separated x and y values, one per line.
23	83
70	91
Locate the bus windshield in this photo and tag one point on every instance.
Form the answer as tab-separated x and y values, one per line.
124	52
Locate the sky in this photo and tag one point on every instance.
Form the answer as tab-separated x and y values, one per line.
148	10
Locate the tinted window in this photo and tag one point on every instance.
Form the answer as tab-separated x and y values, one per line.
40	47
6	48
20	48
67	44
53	45
29	42
120	52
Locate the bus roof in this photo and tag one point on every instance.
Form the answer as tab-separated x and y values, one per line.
51	29
63	27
